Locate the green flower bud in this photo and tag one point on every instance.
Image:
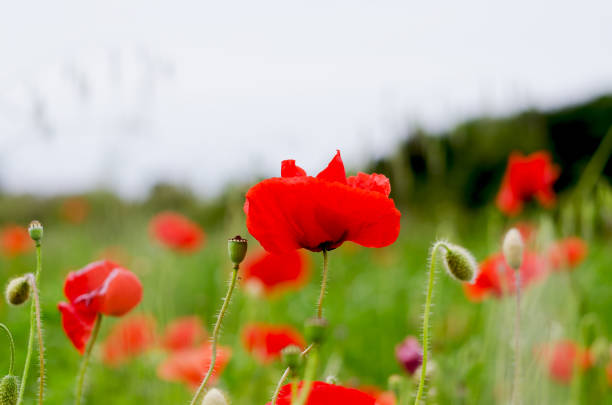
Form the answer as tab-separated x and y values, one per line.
36	231
237	248
459	263
9	390
214	397
513	247
292	357
18	291
332	379
316	330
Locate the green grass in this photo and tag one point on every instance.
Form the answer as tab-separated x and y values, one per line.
374	301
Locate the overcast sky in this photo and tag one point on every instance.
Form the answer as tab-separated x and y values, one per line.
126	93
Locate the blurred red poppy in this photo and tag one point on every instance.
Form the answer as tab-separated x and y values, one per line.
189	366
563	358
129	338
567	253
276	272
266	342
328	394
299	211
527	177
99	288
183	333
15	240
382	397
177	231
74	210
496	278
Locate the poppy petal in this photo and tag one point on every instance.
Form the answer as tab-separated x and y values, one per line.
334	172
327	394
371	182
290	169
77	325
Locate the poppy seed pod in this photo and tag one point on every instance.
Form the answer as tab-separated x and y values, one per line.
459	263
214	397
18	291
36	231
292	357
9	390
237	249
513	247
316	329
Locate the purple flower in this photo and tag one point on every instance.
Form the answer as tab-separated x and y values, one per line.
409	354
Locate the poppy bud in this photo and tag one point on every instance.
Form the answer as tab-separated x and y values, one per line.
237	248
9	390
513	248
18	291
395	383
36	231
316	329
214	397
459	263
332	379
292	357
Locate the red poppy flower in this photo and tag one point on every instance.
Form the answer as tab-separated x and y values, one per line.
99	288
527	177
129	338
183	333
567	253
299	211
275	272
496	278
189	366
266	342
15	240
328	394
74	210
563	358
176	231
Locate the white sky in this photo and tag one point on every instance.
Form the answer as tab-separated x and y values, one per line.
124	93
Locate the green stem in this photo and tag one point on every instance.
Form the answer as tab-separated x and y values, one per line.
280	385
41	345
309	374
516	392
12	347
596	165
215	336
430	284
323	286
28	359
85	360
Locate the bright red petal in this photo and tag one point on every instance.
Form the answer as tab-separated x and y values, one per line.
328	394
82	282
190	366
77	326
276	272
184	333
129	337
371	182
120	293
177	231
266	342
290	169
334	172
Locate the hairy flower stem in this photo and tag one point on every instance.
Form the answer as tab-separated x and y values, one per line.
85	360
280	385
323	286
216	332
28	359
430	285
12	348
309	375
41	345
516	391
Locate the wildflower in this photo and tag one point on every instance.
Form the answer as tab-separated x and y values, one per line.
328	394
266	342
527	177
382	397
563	358
496	278
320	213
99	288
129	338
276	272
567	253
409	354
74	210
15	240
183	333
190	365
176	232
